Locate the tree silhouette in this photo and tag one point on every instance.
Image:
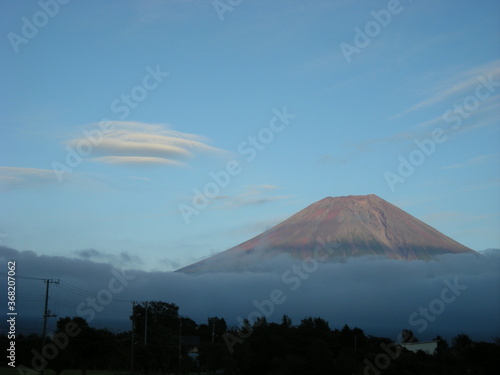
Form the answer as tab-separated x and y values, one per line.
406	336
310	348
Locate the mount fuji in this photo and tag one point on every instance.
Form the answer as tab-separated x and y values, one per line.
350	226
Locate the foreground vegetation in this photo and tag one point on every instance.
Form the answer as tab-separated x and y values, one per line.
310	347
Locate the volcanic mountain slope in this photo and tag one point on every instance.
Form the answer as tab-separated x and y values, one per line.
348	226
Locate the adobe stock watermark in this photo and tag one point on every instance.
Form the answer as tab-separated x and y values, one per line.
421	319
249	149
122	105
32	25
87	309
292	277
372	29
223	6
427	146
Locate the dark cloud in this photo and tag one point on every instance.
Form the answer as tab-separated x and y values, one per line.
455	294
123	259
88	253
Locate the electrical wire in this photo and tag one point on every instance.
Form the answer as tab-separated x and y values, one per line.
23	277
84	293
74	289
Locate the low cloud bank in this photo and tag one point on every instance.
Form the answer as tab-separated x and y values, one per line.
454	294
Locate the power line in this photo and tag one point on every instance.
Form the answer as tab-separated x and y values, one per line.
24	277
84	293
68	287
72	289
75	288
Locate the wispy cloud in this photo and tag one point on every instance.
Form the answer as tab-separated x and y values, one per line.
263	187
457	85
139	178
490	183
474	161
150	12
136	160
17	177
332	160
358	148
398	137
135	143
485	116
253	195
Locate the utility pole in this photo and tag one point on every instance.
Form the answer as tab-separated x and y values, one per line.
146	324
132	343
213	330
180	344
46	311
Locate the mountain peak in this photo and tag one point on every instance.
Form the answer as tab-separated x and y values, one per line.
357	225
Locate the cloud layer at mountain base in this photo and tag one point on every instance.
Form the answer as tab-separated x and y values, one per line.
455	294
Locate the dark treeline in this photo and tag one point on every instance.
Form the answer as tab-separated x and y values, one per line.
164	342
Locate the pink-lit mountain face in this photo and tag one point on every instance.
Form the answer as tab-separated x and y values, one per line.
348	226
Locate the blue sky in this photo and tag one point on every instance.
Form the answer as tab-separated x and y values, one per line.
114	115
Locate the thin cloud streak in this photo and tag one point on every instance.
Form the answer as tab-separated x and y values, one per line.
485	116
474	161
17	177
459	85
136	160
253	195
